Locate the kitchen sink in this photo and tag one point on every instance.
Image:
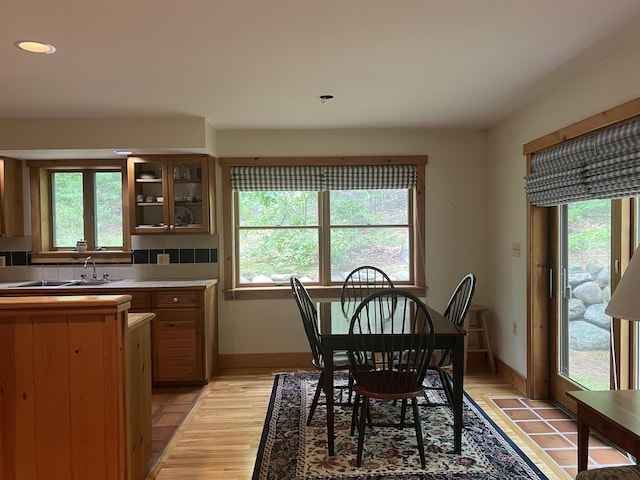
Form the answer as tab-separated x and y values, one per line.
66	283
90	283
46	283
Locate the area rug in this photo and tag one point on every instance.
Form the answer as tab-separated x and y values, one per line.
291	450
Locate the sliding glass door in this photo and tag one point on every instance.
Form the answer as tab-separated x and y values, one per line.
590	350
584	338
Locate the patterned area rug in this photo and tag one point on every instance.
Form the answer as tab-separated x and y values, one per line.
291	450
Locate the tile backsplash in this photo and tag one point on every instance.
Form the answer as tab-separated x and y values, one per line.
190	257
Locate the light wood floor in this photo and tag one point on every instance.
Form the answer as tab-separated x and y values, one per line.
220	437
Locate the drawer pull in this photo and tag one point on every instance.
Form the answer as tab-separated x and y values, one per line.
175	299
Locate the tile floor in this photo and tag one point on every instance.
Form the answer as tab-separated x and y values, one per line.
555	432
169	407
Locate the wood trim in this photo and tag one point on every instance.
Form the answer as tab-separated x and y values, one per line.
284	292
266	360
538	271
71	256
512	377
284	161
420	247
601	120
539	302
230	248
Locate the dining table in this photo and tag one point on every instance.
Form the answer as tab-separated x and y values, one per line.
334	320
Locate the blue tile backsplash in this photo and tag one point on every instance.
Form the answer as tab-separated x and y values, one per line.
142	256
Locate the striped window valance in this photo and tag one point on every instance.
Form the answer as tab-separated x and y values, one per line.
321	178
605	164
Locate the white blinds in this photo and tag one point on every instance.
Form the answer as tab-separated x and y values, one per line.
605	164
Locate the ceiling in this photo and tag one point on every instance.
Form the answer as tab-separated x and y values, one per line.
265	63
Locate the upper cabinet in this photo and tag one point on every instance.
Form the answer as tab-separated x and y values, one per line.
171	194
11	201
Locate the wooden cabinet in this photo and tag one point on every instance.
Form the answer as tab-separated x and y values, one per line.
66	402
11	200
139	394
171	194
184	333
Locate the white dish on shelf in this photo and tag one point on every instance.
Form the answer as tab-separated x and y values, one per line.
183	215
147	175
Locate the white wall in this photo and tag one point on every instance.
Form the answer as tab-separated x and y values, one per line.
455	211
611	83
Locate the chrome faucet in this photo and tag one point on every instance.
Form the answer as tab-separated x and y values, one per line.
86	260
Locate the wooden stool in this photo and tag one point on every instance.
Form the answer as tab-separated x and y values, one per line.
477	322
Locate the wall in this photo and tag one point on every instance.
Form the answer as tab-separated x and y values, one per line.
611	82
455	230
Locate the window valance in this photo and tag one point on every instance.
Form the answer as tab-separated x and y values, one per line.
605	164
321	178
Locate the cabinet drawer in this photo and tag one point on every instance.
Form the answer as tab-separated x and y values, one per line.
172	326
175	299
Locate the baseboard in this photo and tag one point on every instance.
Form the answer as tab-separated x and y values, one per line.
265	360
294	360
512	377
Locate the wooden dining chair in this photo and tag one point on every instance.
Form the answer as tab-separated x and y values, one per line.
456	311
309	317
389	358
361	282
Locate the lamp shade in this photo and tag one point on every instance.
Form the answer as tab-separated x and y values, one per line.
625	302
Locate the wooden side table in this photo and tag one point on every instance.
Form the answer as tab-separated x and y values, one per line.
614	414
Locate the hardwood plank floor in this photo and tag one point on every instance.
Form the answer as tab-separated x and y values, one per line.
220	437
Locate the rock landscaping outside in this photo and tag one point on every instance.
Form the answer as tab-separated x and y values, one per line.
589	325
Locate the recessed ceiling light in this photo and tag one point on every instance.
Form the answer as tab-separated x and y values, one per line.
122	152
35	47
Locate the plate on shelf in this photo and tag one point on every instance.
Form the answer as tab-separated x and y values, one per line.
146	175
183	215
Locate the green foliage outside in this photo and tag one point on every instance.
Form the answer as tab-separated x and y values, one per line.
69	209
364	231
589	229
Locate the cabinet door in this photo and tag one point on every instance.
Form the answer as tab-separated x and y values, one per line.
177	345
11	201
170	194
148	194
189	191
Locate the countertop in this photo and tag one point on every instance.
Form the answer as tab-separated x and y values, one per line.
14	288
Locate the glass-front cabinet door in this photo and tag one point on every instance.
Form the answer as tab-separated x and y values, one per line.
170	194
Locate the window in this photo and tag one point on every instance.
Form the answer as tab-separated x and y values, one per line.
307	228
79	200
87	204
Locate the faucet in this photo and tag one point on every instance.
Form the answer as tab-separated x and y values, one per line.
86	260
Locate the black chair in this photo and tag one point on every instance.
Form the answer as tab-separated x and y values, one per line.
456	311
362	282
389	357
309	320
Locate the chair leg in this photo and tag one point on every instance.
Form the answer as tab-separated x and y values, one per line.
354	413
448	387
416	421
316	397
361	427
403	412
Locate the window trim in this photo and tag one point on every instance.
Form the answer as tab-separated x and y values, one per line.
539	251
42	251
229	256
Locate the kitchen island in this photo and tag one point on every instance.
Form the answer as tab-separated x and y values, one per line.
67	407
184	332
